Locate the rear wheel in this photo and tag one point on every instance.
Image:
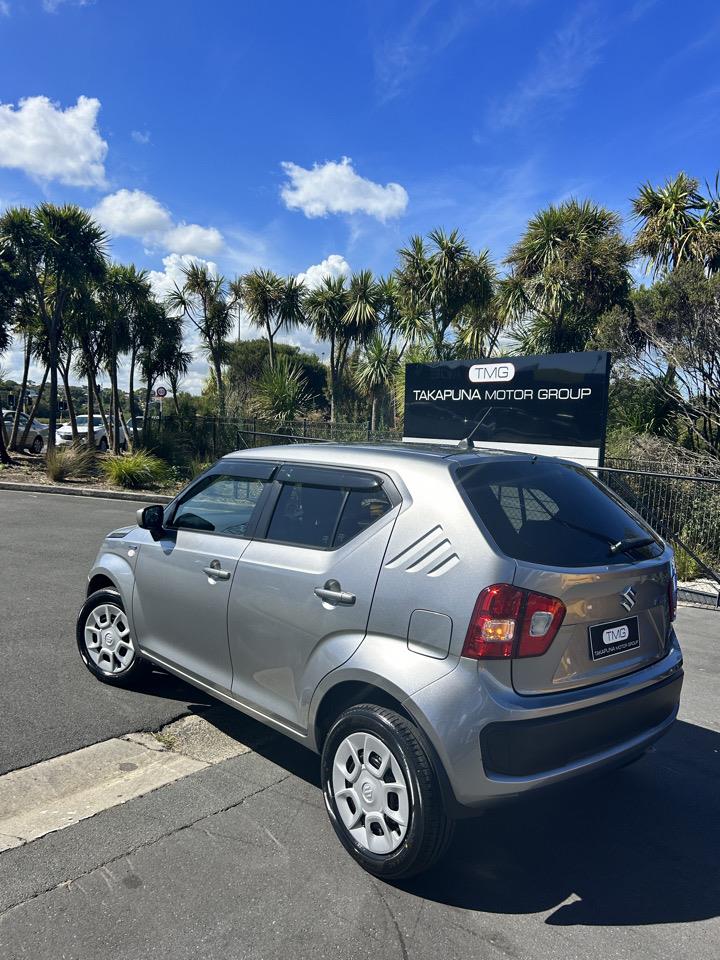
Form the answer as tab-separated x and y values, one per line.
103	445
382	794
37	444
104	640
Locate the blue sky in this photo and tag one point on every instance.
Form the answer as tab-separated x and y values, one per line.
294	135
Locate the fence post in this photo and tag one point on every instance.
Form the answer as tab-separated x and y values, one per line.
305	426
369	431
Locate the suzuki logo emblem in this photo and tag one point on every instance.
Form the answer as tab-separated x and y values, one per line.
629	596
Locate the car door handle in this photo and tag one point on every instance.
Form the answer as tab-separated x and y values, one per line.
216	572
332	592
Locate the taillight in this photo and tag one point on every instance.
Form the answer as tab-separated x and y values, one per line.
508	621
672	590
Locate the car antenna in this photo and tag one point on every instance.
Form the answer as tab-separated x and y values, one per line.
467	443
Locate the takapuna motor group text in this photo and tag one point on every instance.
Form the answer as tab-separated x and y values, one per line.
505	393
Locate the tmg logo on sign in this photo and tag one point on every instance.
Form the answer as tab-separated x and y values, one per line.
491	372
615	634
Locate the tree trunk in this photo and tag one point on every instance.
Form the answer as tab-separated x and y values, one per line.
4	455
33	412
220	389
331	378
125	436
65	373
146	411
53	364
373	412
91	409
271	346
131	390
115	395
23	390
101	408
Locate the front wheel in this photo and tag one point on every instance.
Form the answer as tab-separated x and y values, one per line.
382	793
103	445
105	642
37	445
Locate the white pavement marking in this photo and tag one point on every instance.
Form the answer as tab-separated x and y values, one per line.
57	793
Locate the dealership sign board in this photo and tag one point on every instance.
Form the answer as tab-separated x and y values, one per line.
553	404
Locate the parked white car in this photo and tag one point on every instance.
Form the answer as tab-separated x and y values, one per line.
64	436
37	436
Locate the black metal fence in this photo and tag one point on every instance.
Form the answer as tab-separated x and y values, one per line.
682	503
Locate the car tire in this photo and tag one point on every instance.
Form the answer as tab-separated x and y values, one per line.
37	445
103	445
105	643
362	805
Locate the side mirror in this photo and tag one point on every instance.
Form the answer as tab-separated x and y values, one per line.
151	518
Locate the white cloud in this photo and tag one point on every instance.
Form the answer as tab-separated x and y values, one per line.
191	236
47	142
141	136
560	68
336	188
51	6
164	281
134	213
333	266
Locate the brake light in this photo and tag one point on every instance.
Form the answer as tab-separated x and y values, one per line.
672	591
509	621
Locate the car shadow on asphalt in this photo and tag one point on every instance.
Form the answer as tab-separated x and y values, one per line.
637	846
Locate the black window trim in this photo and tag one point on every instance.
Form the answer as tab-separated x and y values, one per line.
243	470
351	475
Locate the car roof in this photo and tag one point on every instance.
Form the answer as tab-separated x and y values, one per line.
378	455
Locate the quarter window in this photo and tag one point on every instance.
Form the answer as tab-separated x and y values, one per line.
219	504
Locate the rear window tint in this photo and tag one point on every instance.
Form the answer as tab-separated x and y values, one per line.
551	513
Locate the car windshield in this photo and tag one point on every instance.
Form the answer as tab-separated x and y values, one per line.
553	514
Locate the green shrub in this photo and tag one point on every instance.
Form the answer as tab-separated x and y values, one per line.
65	463
136	471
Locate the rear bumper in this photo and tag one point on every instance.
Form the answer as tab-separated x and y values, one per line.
494	744
531	747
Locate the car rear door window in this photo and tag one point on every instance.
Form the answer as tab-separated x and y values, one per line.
551	513
219	504
325	517
306	515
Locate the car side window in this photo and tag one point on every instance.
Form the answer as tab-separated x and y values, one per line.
306	515
219	504
324	517
362	508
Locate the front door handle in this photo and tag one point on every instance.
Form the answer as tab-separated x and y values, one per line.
216	572
332	592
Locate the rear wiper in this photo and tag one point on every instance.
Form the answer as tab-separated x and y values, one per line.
630	543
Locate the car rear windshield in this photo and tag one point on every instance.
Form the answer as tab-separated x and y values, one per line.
551	513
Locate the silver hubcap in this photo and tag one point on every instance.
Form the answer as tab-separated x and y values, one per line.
107	638
371	793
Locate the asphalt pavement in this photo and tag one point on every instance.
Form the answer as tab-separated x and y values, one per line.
239	860
49	703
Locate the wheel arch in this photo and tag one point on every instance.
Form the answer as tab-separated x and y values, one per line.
349	692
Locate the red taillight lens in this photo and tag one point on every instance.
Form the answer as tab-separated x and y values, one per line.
511	621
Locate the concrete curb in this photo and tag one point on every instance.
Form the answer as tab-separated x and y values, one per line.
86	492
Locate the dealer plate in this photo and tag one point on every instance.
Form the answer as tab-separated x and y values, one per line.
608	639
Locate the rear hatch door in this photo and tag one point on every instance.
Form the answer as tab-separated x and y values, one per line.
617	621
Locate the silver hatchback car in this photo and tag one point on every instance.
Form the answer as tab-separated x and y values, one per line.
445	628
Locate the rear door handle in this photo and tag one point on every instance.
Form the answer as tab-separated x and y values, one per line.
332	592
216	572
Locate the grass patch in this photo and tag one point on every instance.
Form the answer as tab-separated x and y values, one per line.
69	463
136	471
